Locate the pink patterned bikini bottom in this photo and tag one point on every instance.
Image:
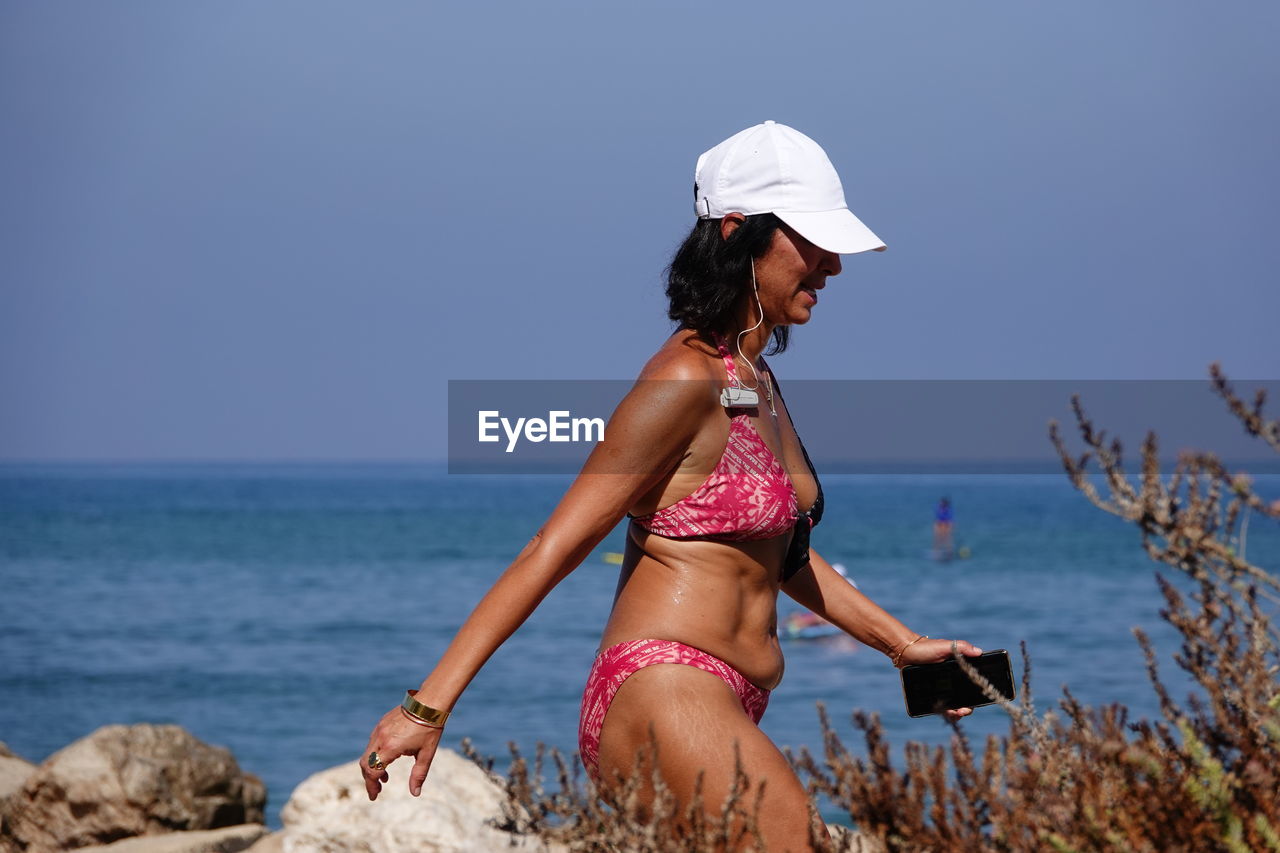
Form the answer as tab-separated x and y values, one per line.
617	663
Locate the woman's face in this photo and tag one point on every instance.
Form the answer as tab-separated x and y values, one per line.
790	274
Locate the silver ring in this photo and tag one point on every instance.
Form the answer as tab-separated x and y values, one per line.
954	651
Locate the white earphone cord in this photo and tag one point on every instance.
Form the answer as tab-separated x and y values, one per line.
756	290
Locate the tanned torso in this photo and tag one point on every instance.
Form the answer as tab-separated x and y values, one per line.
720	597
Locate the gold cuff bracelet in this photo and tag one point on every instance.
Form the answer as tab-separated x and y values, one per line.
423	713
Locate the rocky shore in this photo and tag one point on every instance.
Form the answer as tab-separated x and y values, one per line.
158	789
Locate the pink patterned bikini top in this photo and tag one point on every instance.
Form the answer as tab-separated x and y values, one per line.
747	496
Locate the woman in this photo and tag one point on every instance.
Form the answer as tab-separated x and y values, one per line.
704	458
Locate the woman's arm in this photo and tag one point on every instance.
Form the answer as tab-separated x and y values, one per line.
824	591
645	440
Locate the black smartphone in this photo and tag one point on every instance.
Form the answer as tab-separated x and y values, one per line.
932	688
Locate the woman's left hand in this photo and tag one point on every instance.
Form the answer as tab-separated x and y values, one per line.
934	651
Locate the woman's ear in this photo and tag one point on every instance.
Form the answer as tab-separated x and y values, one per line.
729	223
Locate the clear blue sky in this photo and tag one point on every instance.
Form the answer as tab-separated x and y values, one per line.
246	230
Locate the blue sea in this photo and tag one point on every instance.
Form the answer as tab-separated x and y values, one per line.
280	610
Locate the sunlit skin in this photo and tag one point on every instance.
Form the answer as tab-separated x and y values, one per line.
665	438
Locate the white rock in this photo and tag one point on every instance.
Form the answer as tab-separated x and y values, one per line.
273	843
230	839
13	772
331	813
847	840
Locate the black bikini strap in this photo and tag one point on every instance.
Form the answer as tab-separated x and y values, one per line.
815	512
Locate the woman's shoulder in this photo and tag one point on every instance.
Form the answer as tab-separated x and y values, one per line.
679	382
684	356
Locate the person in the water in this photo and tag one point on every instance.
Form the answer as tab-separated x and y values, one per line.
943	528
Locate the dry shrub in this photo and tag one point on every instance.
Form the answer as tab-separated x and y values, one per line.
640	813
1203	777
1206	776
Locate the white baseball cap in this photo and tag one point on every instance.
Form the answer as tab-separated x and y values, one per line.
772	168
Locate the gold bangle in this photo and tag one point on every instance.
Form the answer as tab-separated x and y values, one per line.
423	713
417	722
897	659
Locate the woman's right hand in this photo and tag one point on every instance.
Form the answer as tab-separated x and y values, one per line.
925	650
394	736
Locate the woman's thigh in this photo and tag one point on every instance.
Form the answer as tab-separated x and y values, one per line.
698	725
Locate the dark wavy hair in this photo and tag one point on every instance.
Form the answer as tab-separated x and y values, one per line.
709	276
